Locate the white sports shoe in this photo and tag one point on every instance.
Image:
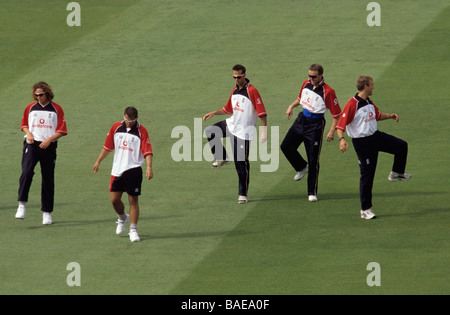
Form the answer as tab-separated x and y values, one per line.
367	214
20	214
393	176
312	198
242	199
46	218
220	163
134	237
301	174
121	225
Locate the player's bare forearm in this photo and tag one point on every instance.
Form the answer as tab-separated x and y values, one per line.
48	141
212	114
330	135
343	145
263	137
384	116
101	157
149	170
291	107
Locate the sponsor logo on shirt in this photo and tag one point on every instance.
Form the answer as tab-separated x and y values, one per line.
238	108
42	124
371	117
125	147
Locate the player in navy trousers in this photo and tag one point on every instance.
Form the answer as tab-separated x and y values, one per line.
359	118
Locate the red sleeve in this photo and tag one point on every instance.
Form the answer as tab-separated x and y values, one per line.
331	102
146	146
348	114
228	108
61	126
257	102
26	113
109	142
301	89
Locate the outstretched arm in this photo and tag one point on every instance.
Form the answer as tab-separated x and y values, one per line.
389	116
211	114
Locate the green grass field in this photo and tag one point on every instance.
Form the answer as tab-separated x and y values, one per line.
172	60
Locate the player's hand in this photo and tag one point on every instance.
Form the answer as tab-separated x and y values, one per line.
263	137
149	173
343	145
395	117
330	136
30	139
95	167
289	112
44	144
208	116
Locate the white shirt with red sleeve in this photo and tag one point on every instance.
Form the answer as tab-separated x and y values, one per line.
44	121
318	100
359	118
131	146
245	106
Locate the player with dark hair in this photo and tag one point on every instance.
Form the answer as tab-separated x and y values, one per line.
44	123
359	118
132	147
316	97
245	106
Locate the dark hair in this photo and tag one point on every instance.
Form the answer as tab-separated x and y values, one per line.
131	112
239	68
45	87
316	67
362	81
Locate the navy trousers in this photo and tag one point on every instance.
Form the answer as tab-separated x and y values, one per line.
367	149
240	148
310	132
32	154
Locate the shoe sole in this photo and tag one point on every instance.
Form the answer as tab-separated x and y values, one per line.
306	172
364	217
398	179
219	166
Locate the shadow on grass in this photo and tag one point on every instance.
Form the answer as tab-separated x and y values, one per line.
422	212
209	234
70	223
341	196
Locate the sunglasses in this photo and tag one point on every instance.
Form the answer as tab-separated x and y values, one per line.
129	121
238	76
314	76
41	94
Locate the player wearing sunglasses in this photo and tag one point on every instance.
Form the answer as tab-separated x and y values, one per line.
316	97
43	123
245	107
